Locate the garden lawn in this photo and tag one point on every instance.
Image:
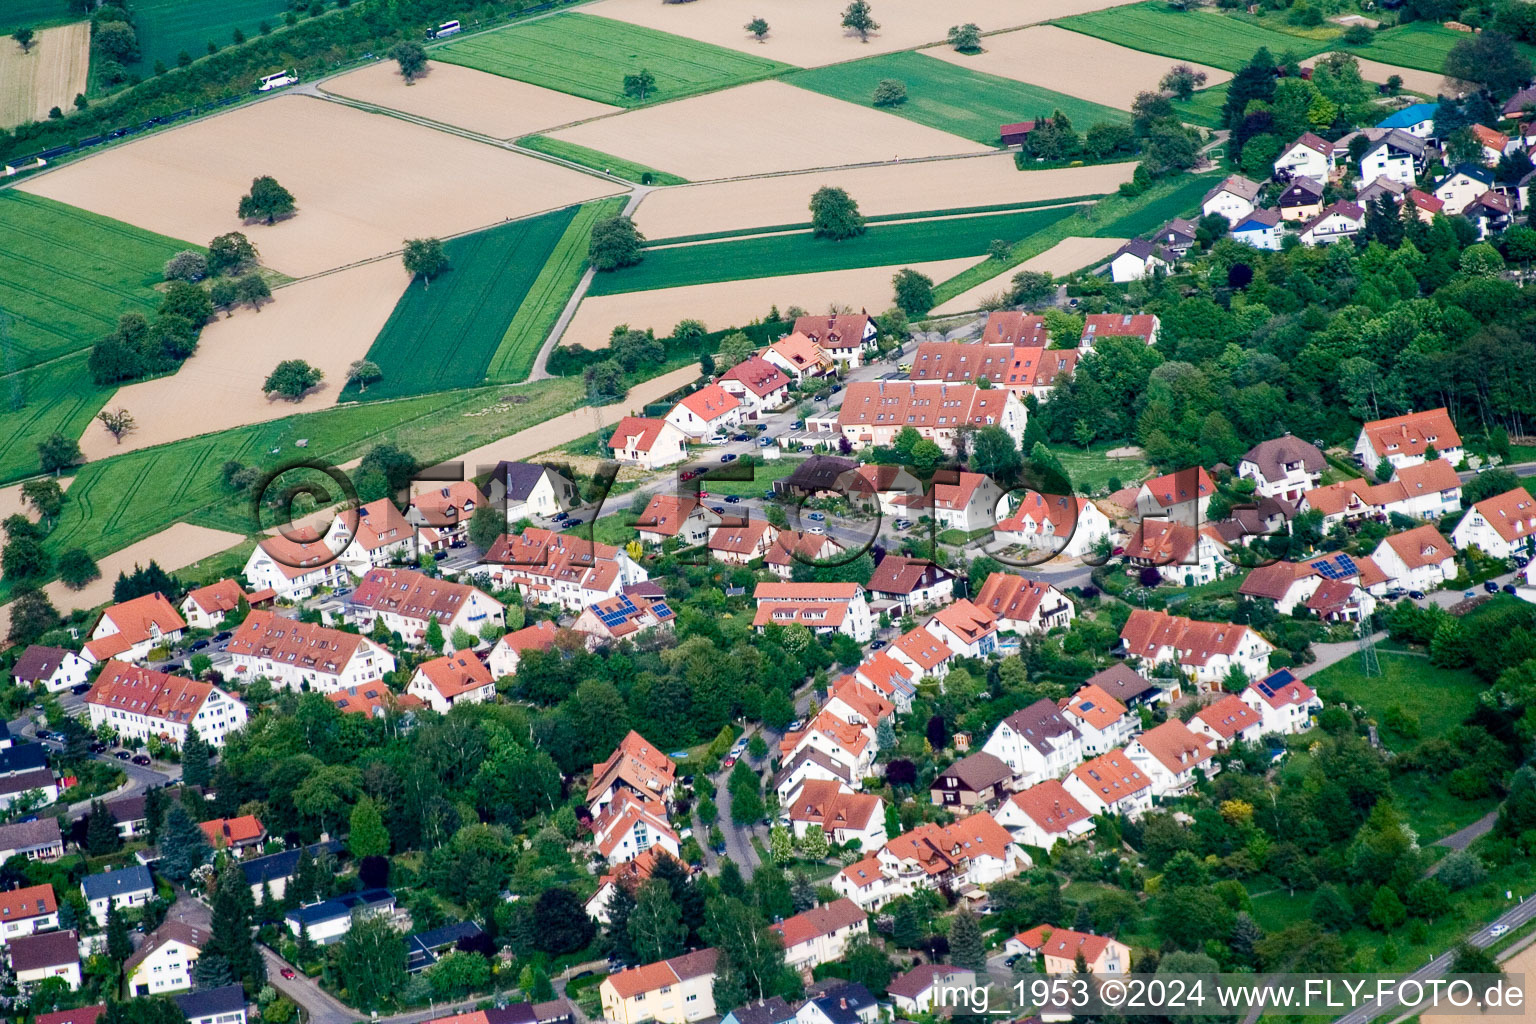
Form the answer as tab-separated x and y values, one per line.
444	333
1151	216
589	56
167	27
1439	698
949	97
1202	36
607	162
57	396
34	14
1204	107
1092	469
547	296
67	275
802	253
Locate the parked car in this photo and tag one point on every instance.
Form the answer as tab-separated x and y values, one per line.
98	747
459	544
199	645
1416	595
729	457
142	760
903	524
817	517
689	474
729	762
795	726
1491	586
1509	588
718	510
220	637
769	495
836	388
765	442
877	645
44	734
123	755
1396	593
80	688
573	522
717	439
561	517
820	396
732	499
741	437
797	425
288	973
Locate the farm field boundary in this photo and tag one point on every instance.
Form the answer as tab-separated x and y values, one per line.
1202	36
540	308
1184	197
571	52
444	333
801	253
37	14
617	166
57	396
954	99
51	74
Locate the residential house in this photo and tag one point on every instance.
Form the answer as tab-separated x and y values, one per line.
1392	153
1123	683
1495	143
865	883
1015	328
27	911
624	617
237	834
1310	156
850	744
38	786
709	411
1208	651
1520	104
1283	467
1182	555
1417	119
526	489
138	703
1045	814
848	1003
329	921
977	780
560	568
910	584
821	476
844	337
507	652
1338	221
1137	259
130	630
441	515
1429	490
968	631
1037	743
627	875
1460	188
297	564
796	547
632	824
54	669
1341	601
757	384
273	871
407	602
164	963
38	958
742	544
799	357
303	656
1169	755
222	1005
1284	703
1500	526
1060	948
1111	783
1101	720
1302	199
1417	559
920	990
674	991
875	411
1176	237
822	934
1425	206
635	765
123	889
1491	213
808	765
820	607
206	607
1065	525
974	851
843	815
1022	369
374	700
458	678
1144	327
1394	190
854	702
1183	496
922	653
82	1015
32	840
1405	440
1234	198
958	500
376	535
1259	229
647	443
1284	584
675	517
895	680
1227	720
1267	517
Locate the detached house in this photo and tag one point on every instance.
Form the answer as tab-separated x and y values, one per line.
1228	720
845	816
508	652
1060	948
631	825
1234	199
1460	188
1260	229
1101	720
441	515
647	443
1136	259
1066	525
978	780
845	337
1302	199
139	703
796	547
1208	651
1170	754
26	911
709	411
164	963
974	851
968	631
917	991
296	564
623	617
122	889
1391	154
671	516
1417	559
303	656
675	991
1501	526
130	630
378	534
1405	440
1036	743
54	669
1285	704
1045	814
924	655
799	357
1181	554
459	678
408	602
1183	496
744	544
911	584
1337	222
526	489
1024	606
1283	467
1310	156
822	934
205	607
820	607
634	765
1417	119
757	384
1111	783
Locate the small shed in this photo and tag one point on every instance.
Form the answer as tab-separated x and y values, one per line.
1015	134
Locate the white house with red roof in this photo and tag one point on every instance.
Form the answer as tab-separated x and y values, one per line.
441	513
624	617
799	357
205	607
631	825
844	815
1228	720
820	607
844	337
864	882
1182	496
130	630
1337	222
1403	440
27	911
1101	720
1501	526
968	631
560	568
374	536
407	602
1060	948
798	547
507	653
1183	555
1111	784
635	765
647	443
757	384
972	851
296	564
1169	755
708	411
458	678
675	517
1417	559
1285	704
1310	156
1025	606
918	990
1144	327
1045	814
139	703
961	501
304	656
874	412
911	584
923	653
848	744
1206	651
1067	525
822	934
1234	198
894	680
854	702
742	543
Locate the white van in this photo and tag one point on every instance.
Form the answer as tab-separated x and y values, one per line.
447	28
277	81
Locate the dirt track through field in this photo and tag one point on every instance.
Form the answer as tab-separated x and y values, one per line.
1064	257
363	182
1426	82
892	188
489	104
51	75
810	34
327	321
734	303
1072	63
760	128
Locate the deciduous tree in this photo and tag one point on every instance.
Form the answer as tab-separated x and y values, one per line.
411	56
231	253
759	28
639	85
424	258
292	378
835	214
965	38
858	18
364	372
616	242
118	422
266	201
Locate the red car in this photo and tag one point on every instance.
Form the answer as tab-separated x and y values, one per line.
287	972
730	762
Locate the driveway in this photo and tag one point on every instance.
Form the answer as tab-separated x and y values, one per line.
322	1007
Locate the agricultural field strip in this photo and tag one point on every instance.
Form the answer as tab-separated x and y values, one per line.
1216	40
166	27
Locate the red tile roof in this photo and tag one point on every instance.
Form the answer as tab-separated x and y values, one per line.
1050	806
222	832
143	691
827	919
636	433
270	636
1413	433
1111	776
1175	746
456	674
1228	716
757	375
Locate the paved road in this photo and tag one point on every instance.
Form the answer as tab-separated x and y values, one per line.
738	838
322	1007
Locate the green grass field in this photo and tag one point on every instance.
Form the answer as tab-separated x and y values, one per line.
615	165
167	27
444	333
15	14
56	396
882	244
67	275
1092	469
1151	216
1419	44
588	56
1203	36
950	98
548	294
1440	698
1204	107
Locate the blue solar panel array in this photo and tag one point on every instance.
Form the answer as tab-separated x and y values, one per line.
1275	681
661	608
1339	567
616	617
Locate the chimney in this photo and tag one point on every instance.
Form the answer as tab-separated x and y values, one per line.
842	1002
